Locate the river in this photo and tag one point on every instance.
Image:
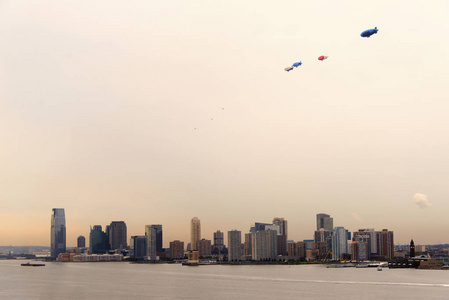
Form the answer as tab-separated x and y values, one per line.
122	280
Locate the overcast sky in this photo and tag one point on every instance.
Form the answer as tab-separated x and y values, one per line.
154	112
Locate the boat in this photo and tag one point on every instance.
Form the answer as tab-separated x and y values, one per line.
379	268
32	265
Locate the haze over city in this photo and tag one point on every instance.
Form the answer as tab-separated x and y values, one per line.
156	112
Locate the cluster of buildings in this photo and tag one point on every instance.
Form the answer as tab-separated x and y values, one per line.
263	242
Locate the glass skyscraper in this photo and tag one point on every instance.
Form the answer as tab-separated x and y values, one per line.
58	232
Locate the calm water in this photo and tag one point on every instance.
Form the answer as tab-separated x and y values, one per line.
122	280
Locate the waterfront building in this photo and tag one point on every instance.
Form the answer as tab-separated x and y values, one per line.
177	249
360	247
385	244
81	242
153	234
234	245
339	242
97	257
264	245
372	235
324	221
117	235
282	223
98	240
204	247
282	235
195	233
138	246
297	250
219	240
58	232
65	257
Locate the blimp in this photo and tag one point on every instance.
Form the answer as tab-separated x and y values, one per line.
369	32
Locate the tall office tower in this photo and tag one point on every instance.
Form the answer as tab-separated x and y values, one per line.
282	223
177	249
372	235
153	234
204	247
385	243
195	233
248	249
324	221
81	242
117	235
219	240
360	247
264	245
98	240
339	242
412	248
58	238
234	245
138	246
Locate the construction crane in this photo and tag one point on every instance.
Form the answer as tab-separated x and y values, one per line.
327	254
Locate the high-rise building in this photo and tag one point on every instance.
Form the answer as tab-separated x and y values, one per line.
360	247
58	232
81	242
204	247
297	249
339	242
117	235
264	245
324	221
234	245
282	223
248	249
98	240
138	246
195	233
219	240
177	249
372	235
385	244
153	234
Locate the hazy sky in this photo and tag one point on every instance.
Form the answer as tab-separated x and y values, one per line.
154	112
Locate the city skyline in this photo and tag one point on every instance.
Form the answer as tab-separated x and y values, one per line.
156	112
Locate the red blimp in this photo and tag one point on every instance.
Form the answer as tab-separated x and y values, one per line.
322	57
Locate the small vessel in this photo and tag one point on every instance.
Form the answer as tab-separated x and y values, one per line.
379	268
32	265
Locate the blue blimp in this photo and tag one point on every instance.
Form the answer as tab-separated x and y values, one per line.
369	32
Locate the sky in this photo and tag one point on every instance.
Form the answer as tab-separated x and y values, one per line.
155	112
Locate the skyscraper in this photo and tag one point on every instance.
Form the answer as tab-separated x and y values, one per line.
324	221
117	235
264	245
339	242
153	234
58	232
385	243
138	246
234	245
218	240
195	233
98	240
81	242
